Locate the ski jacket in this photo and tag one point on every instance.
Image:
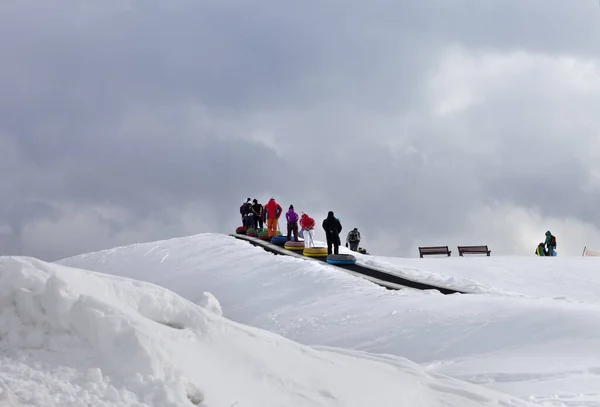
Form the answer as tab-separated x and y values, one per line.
540	250
246	208
550	240
257	209
353	236
332	226
291	216
273	208
306	222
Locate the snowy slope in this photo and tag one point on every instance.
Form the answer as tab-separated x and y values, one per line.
522	339
575	278
70	337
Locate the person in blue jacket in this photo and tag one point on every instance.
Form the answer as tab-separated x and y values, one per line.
550	243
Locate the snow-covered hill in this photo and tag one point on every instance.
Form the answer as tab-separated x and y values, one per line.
531	331
71	337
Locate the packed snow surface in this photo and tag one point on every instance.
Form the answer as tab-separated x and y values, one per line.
70	337
530	330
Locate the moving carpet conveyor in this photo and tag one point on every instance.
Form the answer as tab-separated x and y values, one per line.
373	274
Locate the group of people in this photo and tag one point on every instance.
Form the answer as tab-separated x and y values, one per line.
548	246
255	215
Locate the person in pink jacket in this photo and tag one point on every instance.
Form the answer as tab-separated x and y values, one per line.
292	223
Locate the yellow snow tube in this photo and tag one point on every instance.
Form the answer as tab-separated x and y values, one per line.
315	252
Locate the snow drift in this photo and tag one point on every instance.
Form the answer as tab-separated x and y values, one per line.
531	332
70	337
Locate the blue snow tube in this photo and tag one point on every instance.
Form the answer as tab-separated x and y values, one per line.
341	259
279	240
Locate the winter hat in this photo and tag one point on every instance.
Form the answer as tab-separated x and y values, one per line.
291	206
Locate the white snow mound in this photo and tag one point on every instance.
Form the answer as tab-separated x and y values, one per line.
71	337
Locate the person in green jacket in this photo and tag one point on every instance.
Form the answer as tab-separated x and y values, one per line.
541	250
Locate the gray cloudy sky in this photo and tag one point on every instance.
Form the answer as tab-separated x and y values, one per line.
419	122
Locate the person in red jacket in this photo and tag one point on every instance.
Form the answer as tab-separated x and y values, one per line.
273	212
308	226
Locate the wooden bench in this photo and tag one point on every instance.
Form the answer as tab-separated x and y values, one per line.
424	251
473	250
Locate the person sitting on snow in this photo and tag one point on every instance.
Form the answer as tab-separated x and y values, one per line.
354	239
292	223
541	250
308	226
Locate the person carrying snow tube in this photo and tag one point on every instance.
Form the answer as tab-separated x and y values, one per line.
550	243
272	212
353	239
332	228
308	229
292	223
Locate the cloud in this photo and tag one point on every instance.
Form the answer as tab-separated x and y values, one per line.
418	122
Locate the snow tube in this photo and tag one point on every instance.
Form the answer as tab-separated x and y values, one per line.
241	230
315	252
295	246
341	259
251	232
279	240
263	235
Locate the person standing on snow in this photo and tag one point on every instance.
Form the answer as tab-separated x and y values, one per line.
272	211
332	228
246	212
292	223
308	226
550	243
354	239
257	211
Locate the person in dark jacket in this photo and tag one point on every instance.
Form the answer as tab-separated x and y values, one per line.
332	228
247	215
257	210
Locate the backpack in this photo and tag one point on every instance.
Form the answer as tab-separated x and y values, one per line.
553	240
353	236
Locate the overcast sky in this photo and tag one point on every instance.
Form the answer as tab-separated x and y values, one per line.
420	122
